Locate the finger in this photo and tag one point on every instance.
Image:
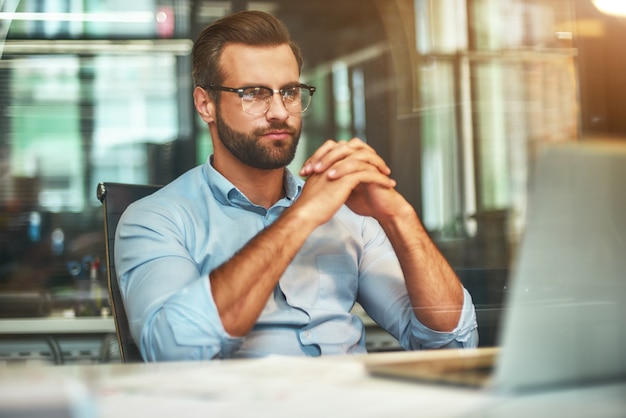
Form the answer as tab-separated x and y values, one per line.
332	152
341	150
307	168
336	162
346	168
370	177
372	156
333	193
329	152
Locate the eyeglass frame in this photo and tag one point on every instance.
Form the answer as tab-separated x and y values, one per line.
241	90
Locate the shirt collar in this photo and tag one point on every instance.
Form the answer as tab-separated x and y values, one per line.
227	194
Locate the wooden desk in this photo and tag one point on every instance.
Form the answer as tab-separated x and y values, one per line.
278	387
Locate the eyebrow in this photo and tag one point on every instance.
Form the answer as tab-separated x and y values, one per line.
287	85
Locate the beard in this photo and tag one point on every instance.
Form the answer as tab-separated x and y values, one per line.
250	149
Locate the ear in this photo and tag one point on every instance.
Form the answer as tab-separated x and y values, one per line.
204	105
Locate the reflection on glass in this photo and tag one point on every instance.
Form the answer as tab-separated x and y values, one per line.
45	124
441	26
492	131
439	146
342	100
513	24
459	94
59	19
73	114
135	104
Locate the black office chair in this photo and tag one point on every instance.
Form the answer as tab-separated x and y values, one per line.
115	198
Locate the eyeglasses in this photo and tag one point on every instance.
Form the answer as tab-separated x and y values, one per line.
256	100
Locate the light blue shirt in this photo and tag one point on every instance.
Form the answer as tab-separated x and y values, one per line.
169	242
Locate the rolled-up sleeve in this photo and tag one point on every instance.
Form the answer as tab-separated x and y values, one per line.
383	295
182	328
168	299
465	335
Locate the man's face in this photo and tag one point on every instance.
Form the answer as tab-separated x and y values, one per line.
252	149
266	141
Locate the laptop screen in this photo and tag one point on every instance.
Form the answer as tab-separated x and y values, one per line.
564	322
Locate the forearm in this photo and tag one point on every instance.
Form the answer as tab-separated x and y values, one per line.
242	285
436	293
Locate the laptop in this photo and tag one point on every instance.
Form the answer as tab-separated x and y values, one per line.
564	321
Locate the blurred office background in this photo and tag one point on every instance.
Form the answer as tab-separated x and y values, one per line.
458	96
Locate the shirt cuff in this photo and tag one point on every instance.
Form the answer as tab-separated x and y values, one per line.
192	318
464	335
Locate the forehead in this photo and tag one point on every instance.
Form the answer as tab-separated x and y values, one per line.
272	66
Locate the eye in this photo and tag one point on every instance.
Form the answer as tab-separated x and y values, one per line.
256	93
291	93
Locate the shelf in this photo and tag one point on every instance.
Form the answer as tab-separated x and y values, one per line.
54	325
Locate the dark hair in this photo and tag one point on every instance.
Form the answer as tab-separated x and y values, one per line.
250	27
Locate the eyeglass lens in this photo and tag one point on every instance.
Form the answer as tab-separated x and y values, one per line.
257	100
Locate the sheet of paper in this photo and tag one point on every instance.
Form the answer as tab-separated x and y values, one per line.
277	387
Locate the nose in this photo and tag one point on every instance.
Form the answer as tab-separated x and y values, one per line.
277	109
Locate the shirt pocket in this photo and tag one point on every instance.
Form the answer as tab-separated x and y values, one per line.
338	281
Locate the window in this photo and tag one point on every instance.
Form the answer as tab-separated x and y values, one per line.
456	95
89	92
496	79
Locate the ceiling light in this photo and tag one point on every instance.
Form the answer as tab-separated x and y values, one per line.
119	17
611	7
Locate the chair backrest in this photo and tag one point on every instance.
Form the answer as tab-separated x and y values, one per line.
115	198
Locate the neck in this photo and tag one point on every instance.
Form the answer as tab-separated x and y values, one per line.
261	187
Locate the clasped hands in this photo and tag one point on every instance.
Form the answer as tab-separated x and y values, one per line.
349	172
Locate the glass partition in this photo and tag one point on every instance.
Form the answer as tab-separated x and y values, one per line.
457	96
90	92
492	82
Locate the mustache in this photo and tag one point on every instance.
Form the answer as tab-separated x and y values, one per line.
275	126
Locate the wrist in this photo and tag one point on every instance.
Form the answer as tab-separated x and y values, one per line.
400	213
299	219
